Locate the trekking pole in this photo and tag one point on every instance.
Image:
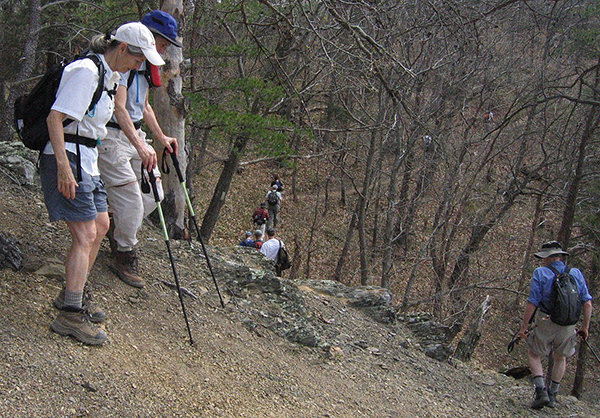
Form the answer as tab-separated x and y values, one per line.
591	349
193	216
516	337
166	235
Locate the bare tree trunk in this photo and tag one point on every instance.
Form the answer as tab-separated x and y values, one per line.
222	188
467	345
11	92
582	355
337	275
362	211
313	231
591	125
524	276
388	232
296	259
171	110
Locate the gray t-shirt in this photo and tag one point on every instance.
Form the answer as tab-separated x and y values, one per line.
136	94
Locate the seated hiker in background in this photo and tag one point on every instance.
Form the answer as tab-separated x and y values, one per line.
247	241
545	335
73	190
277	182
260	217
258	239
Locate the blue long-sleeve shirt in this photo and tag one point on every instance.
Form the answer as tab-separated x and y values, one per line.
541	285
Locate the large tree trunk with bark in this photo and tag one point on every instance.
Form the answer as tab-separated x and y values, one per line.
171	110
467	345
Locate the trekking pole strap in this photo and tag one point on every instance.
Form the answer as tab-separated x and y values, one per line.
164	165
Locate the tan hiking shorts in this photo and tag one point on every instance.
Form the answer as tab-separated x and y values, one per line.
547	336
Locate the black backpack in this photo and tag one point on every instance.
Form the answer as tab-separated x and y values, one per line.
272	198
31	110
283	258
565	300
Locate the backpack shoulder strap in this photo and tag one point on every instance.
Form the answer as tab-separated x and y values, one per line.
132	74
146	73
101	72
556	272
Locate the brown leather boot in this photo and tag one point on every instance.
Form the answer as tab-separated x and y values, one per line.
126	267
96	314
76	323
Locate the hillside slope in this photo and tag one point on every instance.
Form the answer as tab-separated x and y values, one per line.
241	364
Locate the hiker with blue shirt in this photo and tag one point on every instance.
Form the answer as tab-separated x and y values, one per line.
248	241
126	149
545	336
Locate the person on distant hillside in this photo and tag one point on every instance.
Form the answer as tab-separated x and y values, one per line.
273	198
277	182
260	217
258	239
545	336
270	248
248	241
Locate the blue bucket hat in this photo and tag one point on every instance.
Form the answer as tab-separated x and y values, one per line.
163	24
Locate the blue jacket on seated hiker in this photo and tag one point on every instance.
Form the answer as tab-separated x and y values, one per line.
248	241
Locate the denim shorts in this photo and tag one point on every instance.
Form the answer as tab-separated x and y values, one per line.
90	196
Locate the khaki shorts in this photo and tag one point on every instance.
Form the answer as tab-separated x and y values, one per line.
547	336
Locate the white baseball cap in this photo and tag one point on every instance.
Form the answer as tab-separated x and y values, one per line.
138	35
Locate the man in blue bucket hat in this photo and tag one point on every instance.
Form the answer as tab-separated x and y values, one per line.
126	150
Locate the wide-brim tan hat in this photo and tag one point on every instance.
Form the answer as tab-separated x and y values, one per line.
550	249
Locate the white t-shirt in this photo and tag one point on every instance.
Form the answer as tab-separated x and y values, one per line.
73	97
270	248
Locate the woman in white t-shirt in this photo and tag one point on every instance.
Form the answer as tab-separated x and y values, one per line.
73	191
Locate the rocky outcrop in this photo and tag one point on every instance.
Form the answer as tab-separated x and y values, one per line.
266	301
19	163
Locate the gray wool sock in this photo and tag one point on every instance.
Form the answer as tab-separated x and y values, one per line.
73	299
538	381
554	387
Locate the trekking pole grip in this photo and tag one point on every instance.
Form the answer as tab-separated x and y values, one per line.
176	165
153	184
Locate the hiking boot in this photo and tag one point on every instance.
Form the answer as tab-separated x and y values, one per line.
96	314
76	323
126	267
551	400
111	237
541	399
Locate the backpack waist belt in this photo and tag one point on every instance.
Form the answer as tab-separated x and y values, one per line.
81	140
115	125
